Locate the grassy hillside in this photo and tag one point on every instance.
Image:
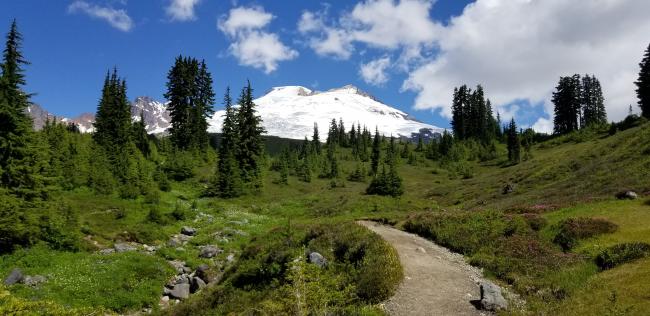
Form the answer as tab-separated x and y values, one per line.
460	205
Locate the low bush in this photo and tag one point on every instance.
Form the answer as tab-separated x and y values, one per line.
573	229
621	253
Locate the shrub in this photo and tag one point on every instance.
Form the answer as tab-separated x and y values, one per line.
155	216
179	213
621	253
535	221
574	229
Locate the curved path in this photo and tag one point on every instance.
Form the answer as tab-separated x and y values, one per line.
436	281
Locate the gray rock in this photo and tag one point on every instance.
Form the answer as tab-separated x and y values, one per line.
196	284
183	279
180	291
627	195
107	251
209	251
202	272
317	259
34	280
174	242
491	297
187	270
123	247
178	265
231	258
188	231
14	277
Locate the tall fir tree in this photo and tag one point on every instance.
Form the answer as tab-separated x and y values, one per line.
315	140
140	136
514	144
190	95
250	152
567	101
228	176
19	159
592	100
643	84
375	155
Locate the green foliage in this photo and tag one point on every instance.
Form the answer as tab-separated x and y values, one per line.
190	95
574	229
643	84
250	149
472	115
228	182
179	165
82	280
621	253
514	143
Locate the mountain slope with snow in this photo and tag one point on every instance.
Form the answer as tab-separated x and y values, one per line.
291	111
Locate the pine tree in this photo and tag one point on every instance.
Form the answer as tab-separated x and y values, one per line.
593	108
333	133
250	152
420	146
228	176
113	128
376	153
567	101
141	137
190	95
343	137
643	84
315	140
19	158
514	145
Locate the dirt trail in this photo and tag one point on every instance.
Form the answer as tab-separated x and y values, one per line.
436	281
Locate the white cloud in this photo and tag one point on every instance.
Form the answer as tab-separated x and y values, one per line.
518	49
384	24
374	72
243	19
252	45
543	125
181	10
119	19
261	50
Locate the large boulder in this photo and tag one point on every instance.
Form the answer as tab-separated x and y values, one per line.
491	297
202	272
180	291
627	195
209	251
196	284
317	259
188	231
16	276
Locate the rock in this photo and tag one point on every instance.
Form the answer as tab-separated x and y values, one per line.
123	247
209	251
148	248
627	195
187	270
317	259
183	279
34	280
509	188
107	251
164	301
14	277
188	231
491	297
174	242
231	258
202	272
180	291
178	265
196	284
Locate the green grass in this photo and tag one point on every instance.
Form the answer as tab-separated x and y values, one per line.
116	282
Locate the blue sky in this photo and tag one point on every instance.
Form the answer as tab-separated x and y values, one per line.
408	53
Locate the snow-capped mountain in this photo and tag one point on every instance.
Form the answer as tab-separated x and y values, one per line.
287	112
291	111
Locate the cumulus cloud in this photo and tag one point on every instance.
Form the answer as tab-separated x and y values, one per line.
252	45
118	19
374	72
518	50
383	24
181	10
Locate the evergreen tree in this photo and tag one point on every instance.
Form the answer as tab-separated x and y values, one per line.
113	120
643	84
343	137
141	137
420	146
190	95
593	107
19	159
228	177
315	140
406	151
250	152
567	101
376	153
514	145
333	133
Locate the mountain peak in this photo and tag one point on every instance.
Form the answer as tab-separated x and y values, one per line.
349	88
286	91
